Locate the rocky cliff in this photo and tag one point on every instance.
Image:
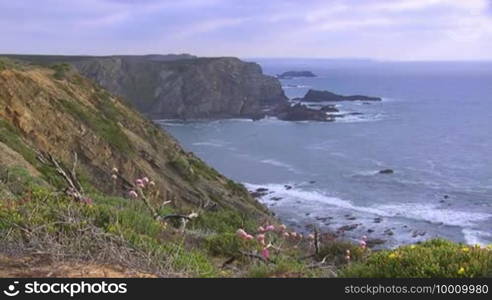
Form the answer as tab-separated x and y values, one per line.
181	86
60	113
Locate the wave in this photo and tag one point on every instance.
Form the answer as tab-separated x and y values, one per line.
209	144
280	164
474	237
416	211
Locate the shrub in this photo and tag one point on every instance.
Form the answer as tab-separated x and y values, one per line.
434	258
60	70
225	244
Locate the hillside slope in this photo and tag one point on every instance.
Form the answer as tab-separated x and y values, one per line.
60	117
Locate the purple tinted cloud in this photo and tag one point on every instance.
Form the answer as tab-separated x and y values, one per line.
382	29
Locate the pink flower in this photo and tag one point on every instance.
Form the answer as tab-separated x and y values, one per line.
151	183
364	237
115	170
347	257
145	180
114	176
241	233
363	244
260	237
270	228
132	194
249	237
286	234
310	236
139	182
347	252
265	253
293	234
261	229
300	236
140	185
282	227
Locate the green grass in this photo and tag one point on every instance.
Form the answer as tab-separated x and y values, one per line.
105	127
434	258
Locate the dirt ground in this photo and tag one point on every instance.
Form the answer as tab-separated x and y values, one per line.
39	266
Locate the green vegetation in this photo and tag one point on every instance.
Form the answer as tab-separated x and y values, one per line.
105	127
123	231
434	258
61	70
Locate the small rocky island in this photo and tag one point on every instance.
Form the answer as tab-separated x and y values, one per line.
301	112
321	96
294	74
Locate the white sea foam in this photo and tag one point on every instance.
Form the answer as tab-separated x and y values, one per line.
415	211
474	237
280	164
209	144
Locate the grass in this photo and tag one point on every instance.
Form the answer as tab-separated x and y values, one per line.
121	231
105	127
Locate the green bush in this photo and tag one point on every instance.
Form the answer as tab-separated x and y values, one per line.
223	221
336	252
224	244
434	258
61	70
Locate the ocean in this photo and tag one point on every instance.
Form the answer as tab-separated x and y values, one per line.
433	128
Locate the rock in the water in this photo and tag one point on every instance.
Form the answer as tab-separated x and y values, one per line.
321	96
293	74
300	112
348	227
374	242
386	171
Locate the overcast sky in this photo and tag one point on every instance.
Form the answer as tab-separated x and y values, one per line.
380	29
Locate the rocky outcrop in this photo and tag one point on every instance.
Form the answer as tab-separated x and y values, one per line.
181	86
294	74
66	114
301	112
321	96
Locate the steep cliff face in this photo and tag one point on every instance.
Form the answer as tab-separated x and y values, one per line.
39	113
183	87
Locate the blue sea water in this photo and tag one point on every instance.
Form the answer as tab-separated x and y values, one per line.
433	128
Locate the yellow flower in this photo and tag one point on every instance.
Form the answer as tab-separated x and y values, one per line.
461	271
465	249
392	255
413	247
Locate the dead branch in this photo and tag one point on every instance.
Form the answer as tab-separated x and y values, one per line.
316	241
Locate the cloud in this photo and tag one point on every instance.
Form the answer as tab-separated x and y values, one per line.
383	29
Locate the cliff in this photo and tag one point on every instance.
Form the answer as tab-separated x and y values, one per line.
180	86
59	112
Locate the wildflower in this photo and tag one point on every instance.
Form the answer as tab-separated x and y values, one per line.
465	249
461	271
141	185
151	183
286	234
293	234
392	255
139	181
300	236
347	252
114	176
132	194
270	228
347	257
265	253
413	247
249	237
261	229
260	237
241	233
282	227
115	170
362	244
364	238
145	180
310	237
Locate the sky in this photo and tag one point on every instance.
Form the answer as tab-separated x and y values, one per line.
377	29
